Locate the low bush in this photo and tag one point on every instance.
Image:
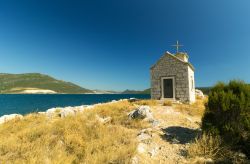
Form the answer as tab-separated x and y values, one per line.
228	114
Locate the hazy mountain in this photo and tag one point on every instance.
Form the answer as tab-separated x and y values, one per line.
146	91
97	91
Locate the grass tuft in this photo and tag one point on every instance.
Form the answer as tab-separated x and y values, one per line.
206	146
167	103
209	147
147	102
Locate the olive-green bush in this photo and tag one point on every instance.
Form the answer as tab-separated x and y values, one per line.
228	114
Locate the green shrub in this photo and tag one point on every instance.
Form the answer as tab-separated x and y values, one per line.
228	114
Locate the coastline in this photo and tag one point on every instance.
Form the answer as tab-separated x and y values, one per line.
62	111
29	103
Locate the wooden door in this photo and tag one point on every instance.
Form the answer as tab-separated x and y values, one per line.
168	88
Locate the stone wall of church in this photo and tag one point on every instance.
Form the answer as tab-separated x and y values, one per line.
191	85
168	66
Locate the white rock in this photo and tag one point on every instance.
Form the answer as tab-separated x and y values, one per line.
170	110
141	148
132	100
52	111
155	123
199	93
81	108
68	111
135	160
90	107
103	120
154	151
6	118
141	113
144	137
41	112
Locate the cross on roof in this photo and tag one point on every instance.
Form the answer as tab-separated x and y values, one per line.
177	45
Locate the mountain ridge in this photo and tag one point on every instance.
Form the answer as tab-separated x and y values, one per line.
146	91
37	83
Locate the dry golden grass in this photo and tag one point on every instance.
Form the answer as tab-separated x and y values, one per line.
212	147
119	113
167	103
195	109
74	139
146	102
206	146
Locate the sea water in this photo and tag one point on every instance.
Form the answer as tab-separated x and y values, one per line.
27	103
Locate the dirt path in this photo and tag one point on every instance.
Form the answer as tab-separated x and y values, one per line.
170	139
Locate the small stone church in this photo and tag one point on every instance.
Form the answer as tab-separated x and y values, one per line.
172	77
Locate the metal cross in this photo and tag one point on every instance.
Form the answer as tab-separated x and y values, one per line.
177	45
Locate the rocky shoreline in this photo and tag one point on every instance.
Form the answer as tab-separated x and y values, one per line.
61	111
66	111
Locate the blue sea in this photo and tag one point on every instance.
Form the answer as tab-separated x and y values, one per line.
25	103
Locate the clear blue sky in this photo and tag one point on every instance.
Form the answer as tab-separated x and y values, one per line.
111	44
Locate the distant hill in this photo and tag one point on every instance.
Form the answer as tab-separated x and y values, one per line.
146	91
97	91
37	83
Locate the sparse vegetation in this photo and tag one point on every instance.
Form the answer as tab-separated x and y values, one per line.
146	102
195	109
208	147
80	138
167	103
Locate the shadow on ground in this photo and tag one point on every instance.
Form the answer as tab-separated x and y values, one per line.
180	135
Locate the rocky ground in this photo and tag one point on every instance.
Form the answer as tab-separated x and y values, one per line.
167	142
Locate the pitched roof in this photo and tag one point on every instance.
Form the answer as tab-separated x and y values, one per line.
173	56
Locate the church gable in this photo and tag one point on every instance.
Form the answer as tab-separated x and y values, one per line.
167	60
171	59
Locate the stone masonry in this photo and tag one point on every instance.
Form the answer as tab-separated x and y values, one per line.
181	70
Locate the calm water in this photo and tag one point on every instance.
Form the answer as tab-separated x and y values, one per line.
24	104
